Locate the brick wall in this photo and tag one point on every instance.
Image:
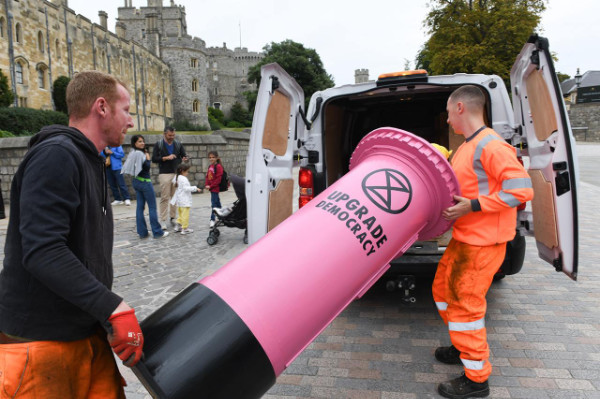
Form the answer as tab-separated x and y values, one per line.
231	146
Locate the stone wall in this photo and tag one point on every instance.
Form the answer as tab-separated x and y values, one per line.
231	146
585	121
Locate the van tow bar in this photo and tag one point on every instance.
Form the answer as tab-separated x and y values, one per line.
405	283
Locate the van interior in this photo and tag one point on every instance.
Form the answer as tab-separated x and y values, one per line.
420	110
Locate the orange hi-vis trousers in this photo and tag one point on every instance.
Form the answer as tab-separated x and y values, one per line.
58	370
461	282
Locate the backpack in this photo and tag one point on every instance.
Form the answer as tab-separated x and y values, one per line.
224	184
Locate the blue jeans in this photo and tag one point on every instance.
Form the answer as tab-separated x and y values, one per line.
215	202
145	194
117	184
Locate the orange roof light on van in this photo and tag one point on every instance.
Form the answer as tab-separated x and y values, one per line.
417	75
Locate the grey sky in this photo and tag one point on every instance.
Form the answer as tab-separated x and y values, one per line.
379	35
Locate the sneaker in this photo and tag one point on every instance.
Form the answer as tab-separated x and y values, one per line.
222	212
163	225
127	202
186	231
116	202
463	387
165	233
177	228
212	223
448	355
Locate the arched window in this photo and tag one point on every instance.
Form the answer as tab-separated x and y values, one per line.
195	106
18	33
19	72
194	85
41	77
40	41
57	48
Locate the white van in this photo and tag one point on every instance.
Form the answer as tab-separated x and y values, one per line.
323	139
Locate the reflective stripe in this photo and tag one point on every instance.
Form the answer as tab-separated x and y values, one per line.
473	364
509	199
470	326
482	179
441	305
522	182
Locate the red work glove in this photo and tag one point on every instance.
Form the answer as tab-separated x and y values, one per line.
126	339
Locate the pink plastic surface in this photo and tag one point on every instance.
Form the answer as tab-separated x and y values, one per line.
289	285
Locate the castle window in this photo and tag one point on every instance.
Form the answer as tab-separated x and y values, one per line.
216	77
1	26
217	105
41	77
194	85
216	91
195	106
18	33
41	41
215	65
194	62
23	102
19	72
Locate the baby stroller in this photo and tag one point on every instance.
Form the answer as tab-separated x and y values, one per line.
234	216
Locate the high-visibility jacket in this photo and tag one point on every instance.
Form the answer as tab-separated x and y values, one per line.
491	176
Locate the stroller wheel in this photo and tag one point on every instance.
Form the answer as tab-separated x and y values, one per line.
245	239
216	232
211	239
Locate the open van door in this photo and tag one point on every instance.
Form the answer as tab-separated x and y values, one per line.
541	118
276	127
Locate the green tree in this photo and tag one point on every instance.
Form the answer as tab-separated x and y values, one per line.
240	115
59	93
303	64
562	76
477	36
6	94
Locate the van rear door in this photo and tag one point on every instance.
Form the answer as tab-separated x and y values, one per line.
541	116
276	127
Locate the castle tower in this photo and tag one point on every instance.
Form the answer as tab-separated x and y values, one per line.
155	3
361	75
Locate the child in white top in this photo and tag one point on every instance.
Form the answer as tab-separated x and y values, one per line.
183	198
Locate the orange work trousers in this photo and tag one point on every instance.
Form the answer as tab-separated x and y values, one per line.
461	282
59	370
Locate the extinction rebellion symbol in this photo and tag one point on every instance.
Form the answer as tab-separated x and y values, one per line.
388	189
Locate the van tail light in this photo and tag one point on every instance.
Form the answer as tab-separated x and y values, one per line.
307	189
524	204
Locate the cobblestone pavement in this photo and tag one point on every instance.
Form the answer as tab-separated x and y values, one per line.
543	329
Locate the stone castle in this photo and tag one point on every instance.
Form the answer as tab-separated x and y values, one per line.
171	75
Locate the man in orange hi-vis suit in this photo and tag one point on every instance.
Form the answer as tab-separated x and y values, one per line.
493	183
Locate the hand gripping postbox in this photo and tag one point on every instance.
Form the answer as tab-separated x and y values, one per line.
231	334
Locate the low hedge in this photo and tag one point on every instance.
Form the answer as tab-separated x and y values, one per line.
27	121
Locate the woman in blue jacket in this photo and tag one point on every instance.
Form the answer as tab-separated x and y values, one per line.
114	176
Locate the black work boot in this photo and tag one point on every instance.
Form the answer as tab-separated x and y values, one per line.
448	354
462	387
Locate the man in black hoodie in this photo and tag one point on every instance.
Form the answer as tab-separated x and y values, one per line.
56	303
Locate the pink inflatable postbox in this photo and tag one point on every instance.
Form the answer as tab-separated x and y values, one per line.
232	333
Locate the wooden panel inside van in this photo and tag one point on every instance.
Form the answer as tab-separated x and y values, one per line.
275	136
540	103
280	203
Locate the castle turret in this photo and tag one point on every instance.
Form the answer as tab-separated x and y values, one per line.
361	75
103	15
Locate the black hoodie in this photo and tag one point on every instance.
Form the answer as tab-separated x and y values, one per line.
57	275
